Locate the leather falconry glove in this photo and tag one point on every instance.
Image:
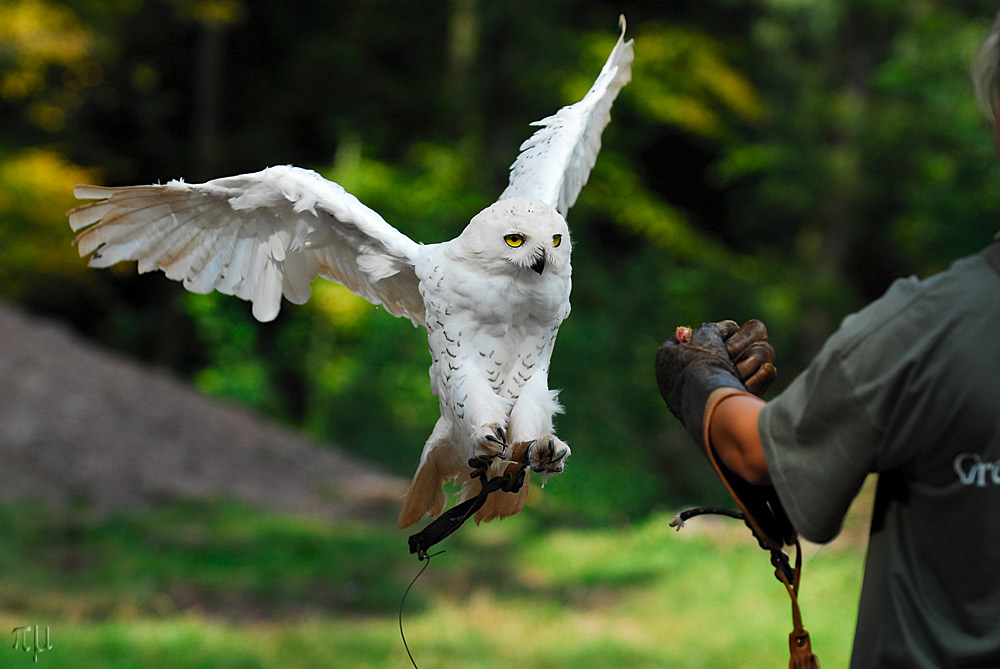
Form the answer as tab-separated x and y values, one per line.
753	356
695	370
690	366
716	355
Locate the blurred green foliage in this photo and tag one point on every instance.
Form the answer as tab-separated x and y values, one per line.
772	159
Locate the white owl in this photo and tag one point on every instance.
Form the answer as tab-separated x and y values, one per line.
492	299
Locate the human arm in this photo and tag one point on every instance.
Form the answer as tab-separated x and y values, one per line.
708	370
734	436
718	366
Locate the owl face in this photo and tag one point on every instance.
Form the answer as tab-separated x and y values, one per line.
523	234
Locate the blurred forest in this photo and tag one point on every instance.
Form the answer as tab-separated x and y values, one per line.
780	159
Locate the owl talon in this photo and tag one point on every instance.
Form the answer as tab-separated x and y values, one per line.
489	442
547	455
562	455
479	466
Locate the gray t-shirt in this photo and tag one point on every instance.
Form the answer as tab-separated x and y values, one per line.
908	387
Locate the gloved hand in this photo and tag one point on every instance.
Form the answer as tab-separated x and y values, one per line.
753	356
693	364
690	367
696	370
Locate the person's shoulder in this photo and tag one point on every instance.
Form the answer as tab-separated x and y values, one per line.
922	302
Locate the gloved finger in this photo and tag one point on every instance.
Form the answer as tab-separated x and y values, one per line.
761	379
727	328
752	331
753	358
711	337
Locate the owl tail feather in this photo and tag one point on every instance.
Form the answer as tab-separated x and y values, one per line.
425	496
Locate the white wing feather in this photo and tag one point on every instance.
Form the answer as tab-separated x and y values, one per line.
555	162
256	236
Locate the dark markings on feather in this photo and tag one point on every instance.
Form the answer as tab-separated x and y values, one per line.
448	351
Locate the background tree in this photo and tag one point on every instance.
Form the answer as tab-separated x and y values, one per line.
771	159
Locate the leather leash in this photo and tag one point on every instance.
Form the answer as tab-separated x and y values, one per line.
441	527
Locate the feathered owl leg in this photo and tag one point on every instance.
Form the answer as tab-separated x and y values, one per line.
531	420
548	454
484	413
530	417
489	443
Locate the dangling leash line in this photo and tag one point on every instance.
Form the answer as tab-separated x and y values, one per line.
441	527
779	559
687	514
427	563
799	646
452	519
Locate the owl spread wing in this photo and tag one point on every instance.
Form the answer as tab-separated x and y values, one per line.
256	236
555	162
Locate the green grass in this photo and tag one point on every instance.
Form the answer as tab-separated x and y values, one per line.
219	585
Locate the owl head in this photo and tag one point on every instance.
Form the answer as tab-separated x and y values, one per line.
520	233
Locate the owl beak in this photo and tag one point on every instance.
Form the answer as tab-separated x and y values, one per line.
539	264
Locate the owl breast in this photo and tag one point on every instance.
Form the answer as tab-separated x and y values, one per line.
489	333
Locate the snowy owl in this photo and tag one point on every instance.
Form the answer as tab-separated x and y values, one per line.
491	300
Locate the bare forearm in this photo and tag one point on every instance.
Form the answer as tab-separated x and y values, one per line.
736	439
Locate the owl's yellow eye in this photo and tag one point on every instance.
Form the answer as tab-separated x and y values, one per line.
556	240
514	240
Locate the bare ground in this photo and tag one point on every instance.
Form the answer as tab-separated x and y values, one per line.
79	424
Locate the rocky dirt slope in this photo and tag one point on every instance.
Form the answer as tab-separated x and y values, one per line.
82	425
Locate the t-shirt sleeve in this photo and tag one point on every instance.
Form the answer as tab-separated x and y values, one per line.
818	442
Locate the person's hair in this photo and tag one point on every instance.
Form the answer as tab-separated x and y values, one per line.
986	70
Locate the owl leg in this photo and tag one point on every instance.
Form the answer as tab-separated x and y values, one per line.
532	416
484	415
489	443
547	455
